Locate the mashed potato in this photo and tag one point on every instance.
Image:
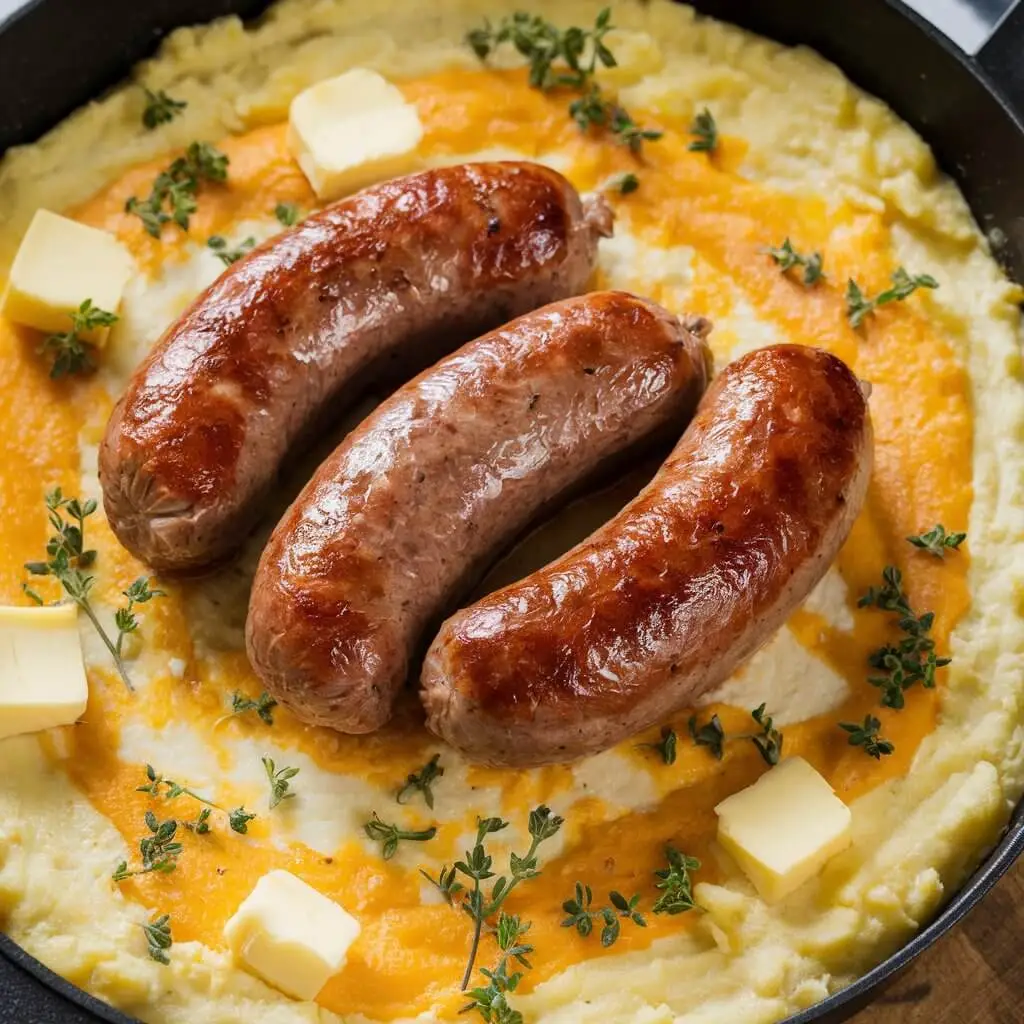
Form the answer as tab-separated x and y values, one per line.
802	154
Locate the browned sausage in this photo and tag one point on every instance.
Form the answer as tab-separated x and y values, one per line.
664	601
371	289
413	505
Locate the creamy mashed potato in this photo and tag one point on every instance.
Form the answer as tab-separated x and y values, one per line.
803	154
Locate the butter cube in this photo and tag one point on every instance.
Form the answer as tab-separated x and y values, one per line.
351	131
42	675
783	828
59	265
289	934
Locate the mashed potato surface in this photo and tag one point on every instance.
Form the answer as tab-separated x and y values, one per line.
802	154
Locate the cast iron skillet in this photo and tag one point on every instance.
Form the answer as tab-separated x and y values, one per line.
57	54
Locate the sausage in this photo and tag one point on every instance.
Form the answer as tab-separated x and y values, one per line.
669	597
368	291
414	504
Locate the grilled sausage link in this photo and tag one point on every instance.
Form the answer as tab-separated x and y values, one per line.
416	502
669	597
370	290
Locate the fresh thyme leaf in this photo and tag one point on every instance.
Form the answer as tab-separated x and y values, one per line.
72	355
263	705
626	183
447	883
160	108
667	746
391	835
223	251
139	592
677	897
711	735
787	257
158	935
156	785
279	781
936	541
491	1002
769	742
173	195
704	132
159	851
201	826
858	306
582	918
422	781
239	820
867	736
287	214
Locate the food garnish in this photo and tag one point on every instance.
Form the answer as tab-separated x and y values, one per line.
711	735
581	917
160	108
391	835
422	781
477	867
159	850
279	780
858	306
225	253
158	935
667	746
626	183
704	132
71	354
913	659
566	59
68	557
677	897
936	541
238	819
287	214
769	740
491	1002
263	705
787	257
173	196
867	736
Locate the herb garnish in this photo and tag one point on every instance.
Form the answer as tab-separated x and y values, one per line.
238	819
581	917
287	214
263	705
72	354
422	781
867	736
279	781
159	851
675	880
913	659
711	735
787	257
626	183
158	935
68	557
391	835
491	1002
160	108
177	188
477	867
577	53
704	132
936	541
667	746
858	306
769	741
223	251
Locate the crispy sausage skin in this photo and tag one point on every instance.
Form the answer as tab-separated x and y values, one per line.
663	602
370	290
416	502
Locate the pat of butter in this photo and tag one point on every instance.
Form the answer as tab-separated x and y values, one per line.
59	265
42	676
289	934
351	131
783	828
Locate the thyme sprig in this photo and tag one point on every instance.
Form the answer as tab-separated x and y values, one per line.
581	917
786	257
937	542
677	896
491	1001
859	306
71	354
422	782
391	835
866	735
705	133
667	747
159	850
287	214
263	705
224	251
160	108
280	781
157	785
710	735
158	936
769	740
